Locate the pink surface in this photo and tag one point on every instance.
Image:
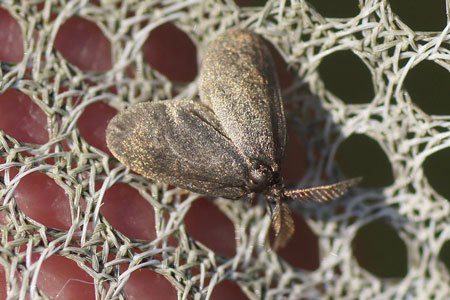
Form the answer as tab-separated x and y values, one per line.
61	278
228	290
285	75
145	284
293	166
3	218
127	211
28	123
208	225
170	51
11	39
302	251
93	122
41	199
83	44
2	283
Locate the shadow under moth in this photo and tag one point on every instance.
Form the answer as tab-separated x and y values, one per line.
230	144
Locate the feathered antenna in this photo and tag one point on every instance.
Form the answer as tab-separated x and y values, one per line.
282	221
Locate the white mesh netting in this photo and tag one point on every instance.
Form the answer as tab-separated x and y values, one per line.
420	215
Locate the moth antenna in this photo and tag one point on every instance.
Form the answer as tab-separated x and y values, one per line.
323	193
282	224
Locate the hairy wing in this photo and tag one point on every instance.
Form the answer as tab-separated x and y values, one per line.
240	84
180	143
323	193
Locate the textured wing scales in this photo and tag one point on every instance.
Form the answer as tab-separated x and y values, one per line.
180	143
239	82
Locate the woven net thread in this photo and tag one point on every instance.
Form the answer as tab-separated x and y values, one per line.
373	35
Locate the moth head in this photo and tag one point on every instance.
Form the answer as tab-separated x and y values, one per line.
262	177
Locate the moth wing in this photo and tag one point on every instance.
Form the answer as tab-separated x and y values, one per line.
180	143
239	82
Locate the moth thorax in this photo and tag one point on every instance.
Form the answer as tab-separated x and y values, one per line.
262	177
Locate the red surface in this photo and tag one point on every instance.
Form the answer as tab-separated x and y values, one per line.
170	51
228	290
127	211
83	44
61	278
11	39
28	123
145	284
93	122
3	218
302	251
285	75
208	225
293	166
41	199
2	283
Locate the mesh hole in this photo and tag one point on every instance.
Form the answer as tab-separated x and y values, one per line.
285	74
294	163
360	155
84	45
336	9
227	290
437	169
148	284
421	15
28	123
127	211
429	87
61	277
378	249
93	122
211	227
10	38
302	251
347	77
250	3
3	288
43	200
171	52
444	255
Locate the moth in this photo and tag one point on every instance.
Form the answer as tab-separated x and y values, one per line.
230	144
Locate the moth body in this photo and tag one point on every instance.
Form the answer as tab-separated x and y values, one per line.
229	145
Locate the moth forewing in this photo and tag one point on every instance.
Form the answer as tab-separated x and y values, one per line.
179	143
239	82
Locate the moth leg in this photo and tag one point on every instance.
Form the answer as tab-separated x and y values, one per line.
270	204
282	223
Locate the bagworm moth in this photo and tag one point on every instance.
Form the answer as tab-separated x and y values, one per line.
229	145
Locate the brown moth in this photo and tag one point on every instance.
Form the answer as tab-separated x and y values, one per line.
229	145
